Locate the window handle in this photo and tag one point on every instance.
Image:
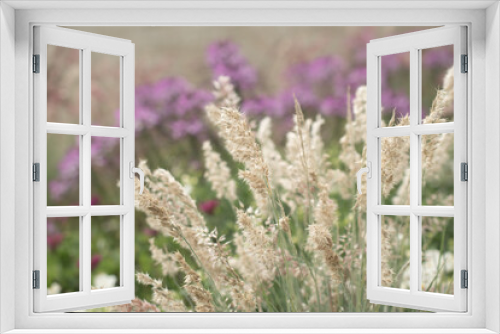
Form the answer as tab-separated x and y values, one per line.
367	170
139	171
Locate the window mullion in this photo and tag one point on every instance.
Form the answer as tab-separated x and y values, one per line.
85	161
414	170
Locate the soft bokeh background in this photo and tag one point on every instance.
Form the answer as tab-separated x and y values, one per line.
175	68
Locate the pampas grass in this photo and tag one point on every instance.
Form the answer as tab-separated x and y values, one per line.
292	249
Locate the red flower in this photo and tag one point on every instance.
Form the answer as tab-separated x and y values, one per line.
54	240
94	262
209	206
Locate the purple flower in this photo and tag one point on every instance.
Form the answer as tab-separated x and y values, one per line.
225	59
265	106
54	236
332	106
68	173
68	167
182	128
174	103
58	188
397	101
438	57
320	85
100	148
356	78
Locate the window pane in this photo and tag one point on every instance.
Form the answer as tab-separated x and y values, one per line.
395	89
395	251
105	89
105	171
63	84
437	169
63	170
395	170
437	254
437	75
105	252
63	252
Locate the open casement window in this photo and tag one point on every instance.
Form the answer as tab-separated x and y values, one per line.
82	218
404	149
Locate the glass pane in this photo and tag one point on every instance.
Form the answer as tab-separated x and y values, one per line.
63	84
105	171
63	253
437	169
105	89
395	252
395	170
437	75
395	89
63	170
105	252
437	254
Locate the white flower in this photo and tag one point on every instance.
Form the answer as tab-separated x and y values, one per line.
54	289
431	260
104	281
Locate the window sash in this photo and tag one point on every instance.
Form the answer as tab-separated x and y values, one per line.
412	43
86	43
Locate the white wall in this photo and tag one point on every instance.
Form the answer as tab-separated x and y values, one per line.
7	160
492	165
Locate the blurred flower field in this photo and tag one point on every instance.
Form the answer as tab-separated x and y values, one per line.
280	232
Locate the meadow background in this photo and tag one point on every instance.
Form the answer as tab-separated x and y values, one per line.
267	66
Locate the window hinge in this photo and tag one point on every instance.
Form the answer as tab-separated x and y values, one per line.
36	63
36	172
465	64
36	279
464	171
465	279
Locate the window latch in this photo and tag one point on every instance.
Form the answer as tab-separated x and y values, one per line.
367	170
139	171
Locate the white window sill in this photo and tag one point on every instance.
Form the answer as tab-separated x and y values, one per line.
250	331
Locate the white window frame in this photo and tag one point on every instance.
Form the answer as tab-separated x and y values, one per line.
483	21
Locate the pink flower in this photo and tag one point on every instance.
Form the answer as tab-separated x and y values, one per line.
150	232
95	200
209	206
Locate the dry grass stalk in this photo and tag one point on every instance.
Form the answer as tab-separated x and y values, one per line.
317	268
224	93
240	141
395	159
193	286
218	174
386	251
